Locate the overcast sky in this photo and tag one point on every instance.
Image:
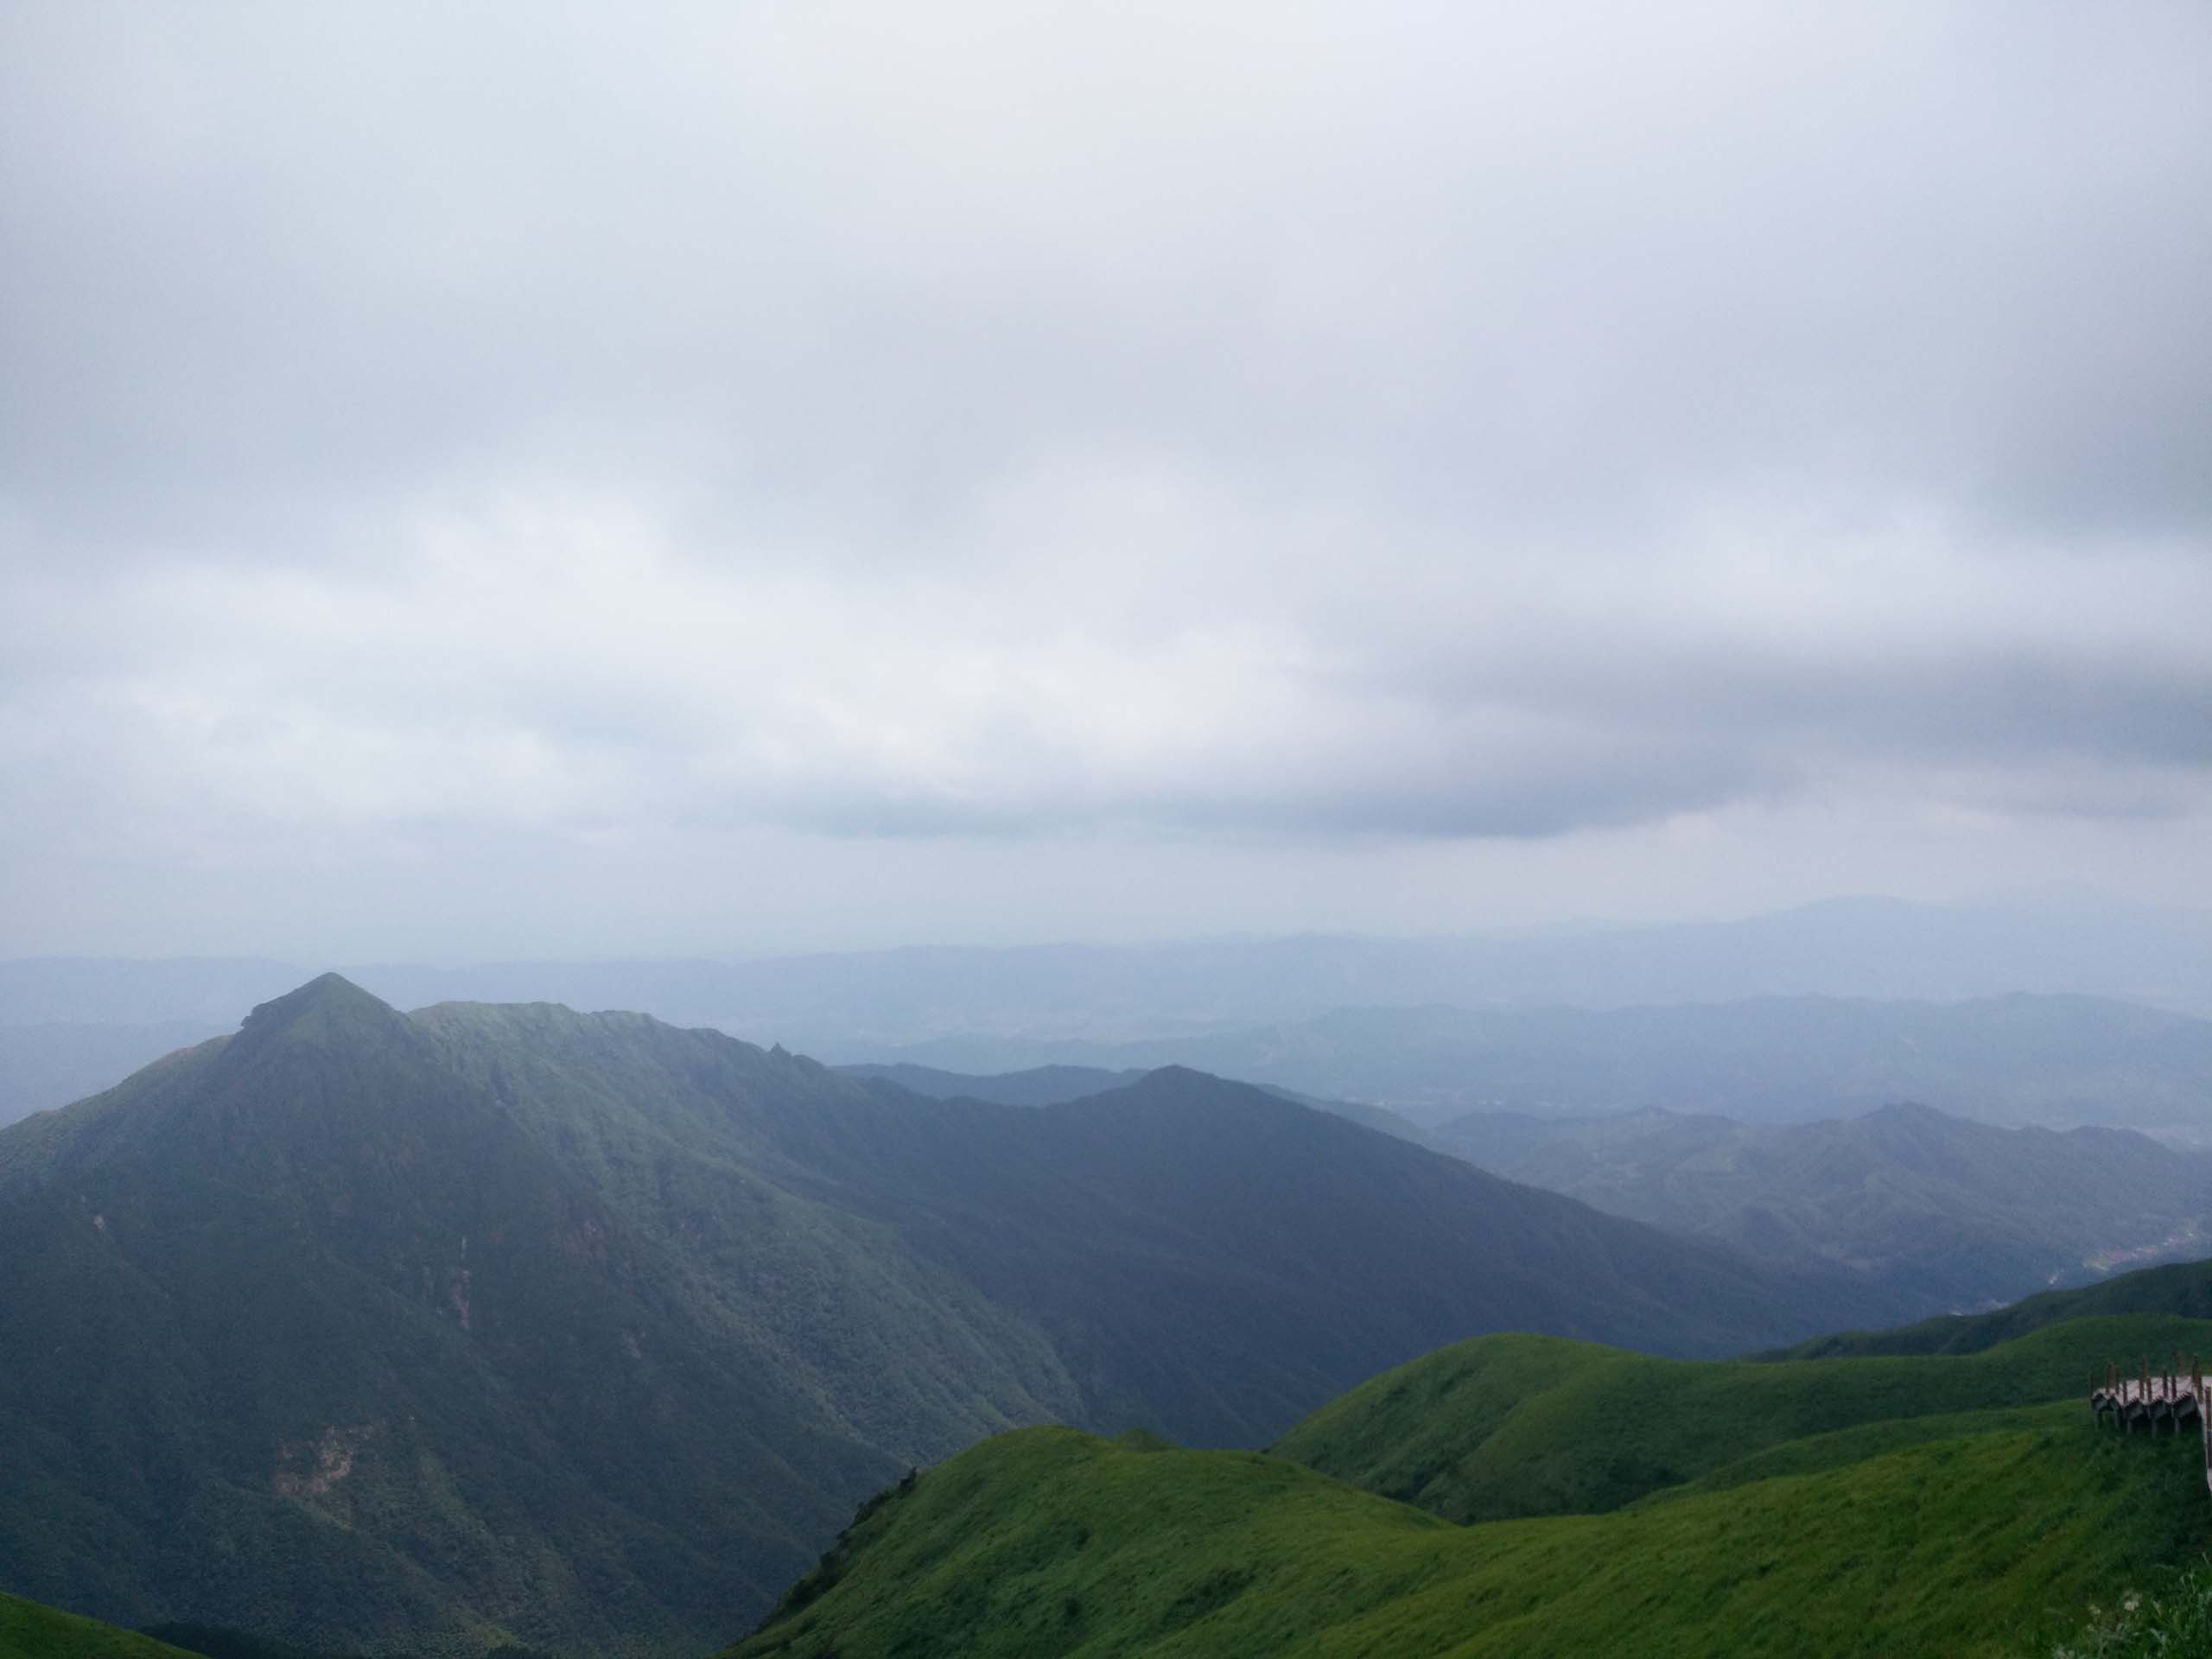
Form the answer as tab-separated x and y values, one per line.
559	480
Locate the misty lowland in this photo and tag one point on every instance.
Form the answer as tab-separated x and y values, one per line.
1105	830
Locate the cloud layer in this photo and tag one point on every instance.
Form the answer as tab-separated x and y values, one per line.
530	428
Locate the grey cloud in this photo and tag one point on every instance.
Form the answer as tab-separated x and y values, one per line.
1079	423
2007	705
286	266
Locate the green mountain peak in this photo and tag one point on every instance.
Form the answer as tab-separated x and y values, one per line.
328	1006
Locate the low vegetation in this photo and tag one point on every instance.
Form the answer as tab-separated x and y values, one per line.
1833	1508
31	1632
2171	1621
1505	1427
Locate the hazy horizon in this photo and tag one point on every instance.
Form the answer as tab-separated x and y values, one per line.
2056	900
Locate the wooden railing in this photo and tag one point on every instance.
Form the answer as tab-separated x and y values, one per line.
2163	1399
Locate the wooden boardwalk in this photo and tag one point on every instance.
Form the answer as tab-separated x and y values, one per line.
2157	1400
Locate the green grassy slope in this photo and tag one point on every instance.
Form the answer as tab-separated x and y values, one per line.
1970	1543
1508	1425
31	1632
1954	1504
216	1642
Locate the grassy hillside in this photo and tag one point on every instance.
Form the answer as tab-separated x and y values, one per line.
1955	1213
418	1334
1511	1426
1978	1540
31	1632
1954	1504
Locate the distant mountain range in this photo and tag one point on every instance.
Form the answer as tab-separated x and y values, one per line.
1937	1212
1960	1214
2108	1311
1395	1022
421	1333
850	1005
2059	1061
